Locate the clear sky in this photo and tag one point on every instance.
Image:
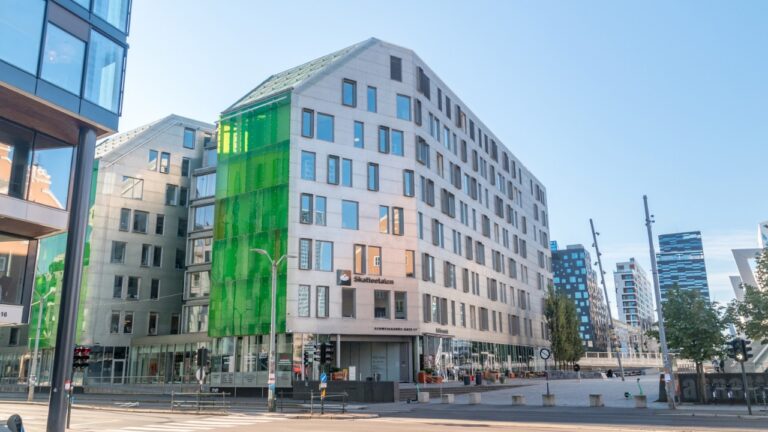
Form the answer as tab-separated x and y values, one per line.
604	101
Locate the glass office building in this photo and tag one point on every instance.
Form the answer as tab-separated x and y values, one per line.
681	263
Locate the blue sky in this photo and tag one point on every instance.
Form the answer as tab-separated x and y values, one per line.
604	101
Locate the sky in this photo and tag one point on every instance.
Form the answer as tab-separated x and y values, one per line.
603	101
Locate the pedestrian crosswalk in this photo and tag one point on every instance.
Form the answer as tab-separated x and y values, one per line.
202	424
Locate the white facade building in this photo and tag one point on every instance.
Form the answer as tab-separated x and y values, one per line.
634	294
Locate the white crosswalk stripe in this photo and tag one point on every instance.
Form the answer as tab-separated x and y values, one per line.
203	424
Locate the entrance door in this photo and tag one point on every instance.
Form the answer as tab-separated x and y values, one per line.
405	362
118	369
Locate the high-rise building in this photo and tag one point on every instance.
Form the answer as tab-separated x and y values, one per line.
574	276
681	262
634	294
415	238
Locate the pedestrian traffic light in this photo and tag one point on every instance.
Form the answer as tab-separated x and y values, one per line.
307	358
330	353
746	349
81	358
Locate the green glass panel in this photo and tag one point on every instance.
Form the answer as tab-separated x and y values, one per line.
251	212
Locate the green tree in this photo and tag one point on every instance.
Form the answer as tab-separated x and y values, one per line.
563	326
694	329
750	316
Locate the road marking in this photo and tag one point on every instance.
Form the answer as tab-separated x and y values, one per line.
206	423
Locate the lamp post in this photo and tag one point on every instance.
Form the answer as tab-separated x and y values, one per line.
33	367
272	362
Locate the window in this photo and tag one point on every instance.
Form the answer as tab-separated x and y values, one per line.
383	139
320	210
140	221
152	325
154	288
21	21
398	224
422	151
359	140
333	170
346	172
63	58
157	256
183	195
114	322
396	68
117	287
384	219
171	194
403	107
159	224
428	267
349	215
203	217
372	99
152	160
201	250
175	323
305	254
381	304
165	162
307	123
307	165
325	127
417	112
449	275
374	260
199	284
437	233
396	140
401	305
349	93
410	264
359	259
132	188
103	75
422	82
115	12
185	163
181	229
178	262
322	302
408	186
324	255
189	138
133	288
347	302
373	176
125	219
305	209
304	300
205	185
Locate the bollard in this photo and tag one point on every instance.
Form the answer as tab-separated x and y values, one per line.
548	400
448	398
423	397
596	400
641	401
518	400
474	398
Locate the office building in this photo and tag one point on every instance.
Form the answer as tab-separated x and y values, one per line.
574	276
634	295
416	239
62	66
681	263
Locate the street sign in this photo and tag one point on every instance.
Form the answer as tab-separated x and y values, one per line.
200	375
323	385
323	378
271	379
545	354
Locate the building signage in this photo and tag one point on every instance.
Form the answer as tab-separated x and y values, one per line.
10	314
406	329
343	278
441	331
366	279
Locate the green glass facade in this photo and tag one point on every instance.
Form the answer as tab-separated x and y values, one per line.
251	212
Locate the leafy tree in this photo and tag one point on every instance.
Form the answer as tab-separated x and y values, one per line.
750	316
563	326
694	328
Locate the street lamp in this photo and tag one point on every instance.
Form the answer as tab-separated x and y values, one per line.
272	362
33	373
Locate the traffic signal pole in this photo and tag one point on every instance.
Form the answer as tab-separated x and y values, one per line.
744	381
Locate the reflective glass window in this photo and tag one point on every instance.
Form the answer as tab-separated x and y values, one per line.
372	99
16	156
114	12
50	173
396	141
403	107
359	134
349	93
13	266
21	21
104	70
307	165
346	172
63	58
324	255
349	214
325	127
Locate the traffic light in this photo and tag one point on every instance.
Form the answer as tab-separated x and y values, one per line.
746	349
330	353
323	348
81	358
307	358
734	346
202	357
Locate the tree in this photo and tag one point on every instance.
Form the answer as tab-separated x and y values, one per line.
563	326
750	316
694	328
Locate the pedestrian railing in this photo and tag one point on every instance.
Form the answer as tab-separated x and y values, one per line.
326	403
199	401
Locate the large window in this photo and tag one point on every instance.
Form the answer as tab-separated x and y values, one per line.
117	287
372	99
104	70
205	185
152	160
349	93
114	12
118	252
396	140
140	220
359	259
63	58
374	260
132	188
396	68
401	305
203	217
325	127
359	134
199	284
21	25
14	254
322	301
346	172
165	162
305	254
347	302
134	284
304	300
381	304
196	318
125	219
201	250
189	138
349	215
403	107
324	255
307	165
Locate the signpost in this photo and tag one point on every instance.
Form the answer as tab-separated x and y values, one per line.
323	386
545	354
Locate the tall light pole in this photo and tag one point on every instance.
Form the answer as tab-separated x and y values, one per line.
33	373
659	311
607	300
272	362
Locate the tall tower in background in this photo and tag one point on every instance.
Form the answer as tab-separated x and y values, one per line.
681	263
633	294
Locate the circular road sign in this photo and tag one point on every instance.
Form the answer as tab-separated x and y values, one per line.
544	354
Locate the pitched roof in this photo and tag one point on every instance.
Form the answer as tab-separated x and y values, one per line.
291	78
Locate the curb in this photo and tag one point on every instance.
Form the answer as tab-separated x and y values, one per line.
331	416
